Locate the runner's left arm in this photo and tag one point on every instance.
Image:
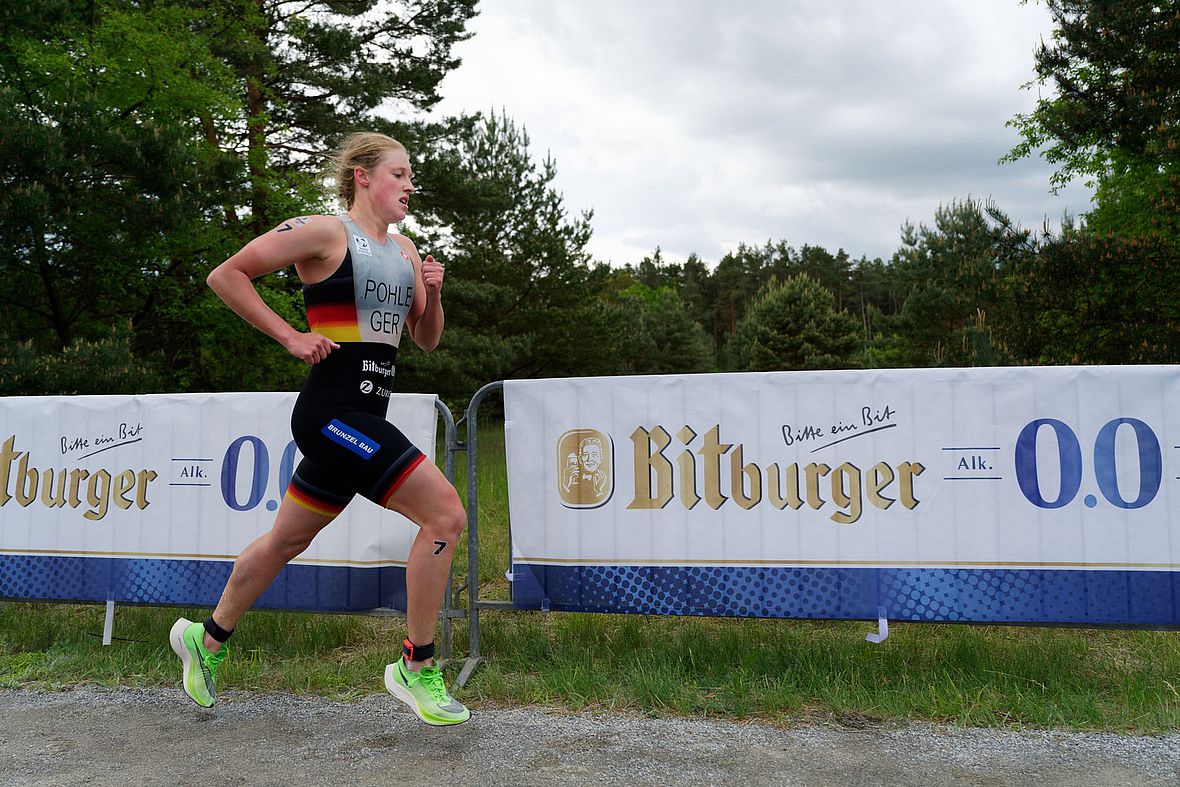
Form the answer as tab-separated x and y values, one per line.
425	321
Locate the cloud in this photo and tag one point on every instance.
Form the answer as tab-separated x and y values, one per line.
694	127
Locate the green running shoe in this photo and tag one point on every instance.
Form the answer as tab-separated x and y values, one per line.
426	694
188	640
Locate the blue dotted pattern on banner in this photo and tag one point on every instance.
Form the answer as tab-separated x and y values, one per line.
1144	598
197	582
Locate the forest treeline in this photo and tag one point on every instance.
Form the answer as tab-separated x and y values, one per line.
141	143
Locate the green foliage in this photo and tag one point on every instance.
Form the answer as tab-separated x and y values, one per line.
1116	69
143	143
466	360
660	336
304	74
1086	297
717	300
794	325
952	273
1141	202
222	352
106	179
309	72
738	277
1105	292
521	299
103	366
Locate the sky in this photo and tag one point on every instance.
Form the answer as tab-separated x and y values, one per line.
695	126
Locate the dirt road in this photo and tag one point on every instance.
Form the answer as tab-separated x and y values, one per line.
155	737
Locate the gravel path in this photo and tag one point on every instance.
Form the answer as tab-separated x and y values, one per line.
155	737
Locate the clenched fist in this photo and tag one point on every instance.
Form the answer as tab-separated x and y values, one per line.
432	275
311	348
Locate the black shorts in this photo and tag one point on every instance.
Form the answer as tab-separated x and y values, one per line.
339	424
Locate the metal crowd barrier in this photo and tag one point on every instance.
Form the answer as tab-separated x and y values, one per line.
474	603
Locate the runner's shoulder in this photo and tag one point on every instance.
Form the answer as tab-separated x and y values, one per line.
317	236
315	225
406	244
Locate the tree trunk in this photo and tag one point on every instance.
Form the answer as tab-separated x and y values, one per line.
57	316
256	118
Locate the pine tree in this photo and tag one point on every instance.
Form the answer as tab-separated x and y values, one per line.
794	325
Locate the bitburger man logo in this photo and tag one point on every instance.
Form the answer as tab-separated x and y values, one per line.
585	461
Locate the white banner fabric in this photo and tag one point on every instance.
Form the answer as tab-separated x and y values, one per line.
1048	468
175	476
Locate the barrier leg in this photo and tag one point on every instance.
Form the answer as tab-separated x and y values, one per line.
108	625
452	445
473	602
468	670
882	632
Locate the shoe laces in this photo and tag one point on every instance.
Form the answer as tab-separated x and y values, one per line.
213	660
432	679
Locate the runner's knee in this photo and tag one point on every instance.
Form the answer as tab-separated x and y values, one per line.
297	547
447	523
289	545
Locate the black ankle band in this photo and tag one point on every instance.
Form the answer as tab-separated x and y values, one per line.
216	631
414	652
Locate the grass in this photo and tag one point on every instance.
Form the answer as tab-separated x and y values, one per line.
492	510
54	646
775	670
784	671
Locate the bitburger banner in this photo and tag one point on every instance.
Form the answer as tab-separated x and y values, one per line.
1046	495
150	498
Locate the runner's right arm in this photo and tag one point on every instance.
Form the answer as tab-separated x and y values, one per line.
306	242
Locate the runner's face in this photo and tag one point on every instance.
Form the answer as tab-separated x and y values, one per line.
390	185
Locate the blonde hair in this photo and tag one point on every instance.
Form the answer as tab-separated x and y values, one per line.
363	149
